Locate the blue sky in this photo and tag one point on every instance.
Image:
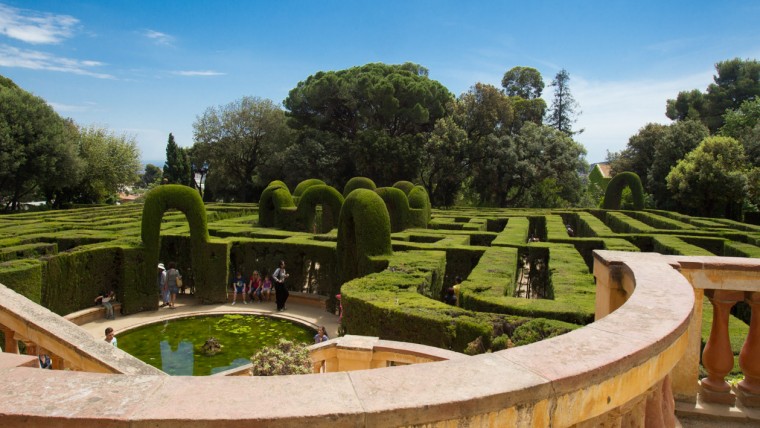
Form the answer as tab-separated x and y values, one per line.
148	68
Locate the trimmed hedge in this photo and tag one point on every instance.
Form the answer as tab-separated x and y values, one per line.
302	186
23	277
364	235
157	202
358	183
420	209
398	207
614	191
319	194
276	207
404	186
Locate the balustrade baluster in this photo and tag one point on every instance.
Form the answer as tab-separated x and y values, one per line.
748	389
717	358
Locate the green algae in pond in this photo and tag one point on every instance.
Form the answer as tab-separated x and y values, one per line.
175	346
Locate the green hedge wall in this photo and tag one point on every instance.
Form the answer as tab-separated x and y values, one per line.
364	235
276	207
187	200
23	277
398	207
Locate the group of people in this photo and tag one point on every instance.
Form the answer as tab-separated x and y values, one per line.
259	286
169	283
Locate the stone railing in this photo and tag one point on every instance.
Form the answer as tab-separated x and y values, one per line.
612	372
724	281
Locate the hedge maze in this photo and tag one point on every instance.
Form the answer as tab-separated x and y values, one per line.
525	275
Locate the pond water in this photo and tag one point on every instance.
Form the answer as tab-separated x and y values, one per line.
175	346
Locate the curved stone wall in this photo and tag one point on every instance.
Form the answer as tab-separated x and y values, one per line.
614	369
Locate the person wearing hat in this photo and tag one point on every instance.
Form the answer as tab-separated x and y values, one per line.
163	289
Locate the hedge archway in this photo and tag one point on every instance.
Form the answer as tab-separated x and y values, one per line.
189	202
615	188
319	194
420	209
302	186
398	207
364	234
276	206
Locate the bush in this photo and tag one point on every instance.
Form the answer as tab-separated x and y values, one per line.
404	186
614	191
285	358
358	183
539	329
364	232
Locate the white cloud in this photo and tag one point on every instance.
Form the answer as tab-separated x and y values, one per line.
23	58
159	38
613	111
193	73
35	27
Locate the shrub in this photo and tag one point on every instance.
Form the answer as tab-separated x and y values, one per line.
319	194
364	232
398	207
420	209
358	183
615	188
276	206
285	358
404	186
539	329
302	186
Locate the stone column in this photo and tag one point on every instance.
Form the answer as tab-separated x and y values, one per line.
610	293
748	389
717	357
10	345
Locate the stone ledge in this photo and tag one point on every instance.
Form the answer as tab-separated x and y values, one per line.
91	314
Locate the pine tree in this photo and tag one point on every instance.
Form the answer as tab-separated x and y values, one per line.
564	109
177	168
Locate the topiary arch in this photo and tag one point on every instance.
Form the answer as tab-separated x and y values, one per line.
276	206
615	188
364	234
157	202
319	194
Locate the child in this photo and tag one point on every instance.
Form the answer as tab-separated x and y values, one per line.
239	285
266	287
110	338
254	286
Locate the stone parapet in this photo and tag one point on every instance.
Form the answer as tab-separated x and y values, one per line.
613	371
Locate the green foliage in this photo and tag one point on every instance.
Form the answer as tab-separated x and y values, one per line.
358	183
286	358
539	329
404	186
444	162
564	109
615	188
157	202
523	82
23	277
151	177
419	208
364	234
319	194
397	203
370	118
110	162
305	184
36	148
177	169
710	180
736	81
276	206
240	141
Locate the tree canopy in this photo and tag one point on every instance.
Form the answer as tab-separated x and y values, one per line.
177	169
711	180
235	140
564	109
736	81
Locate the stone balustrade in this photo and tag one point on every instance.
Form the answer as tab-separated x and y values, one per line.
612	372
725	281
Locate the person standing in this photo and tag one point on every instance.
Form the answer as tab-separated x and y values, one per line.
163	290
280	290
173	277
